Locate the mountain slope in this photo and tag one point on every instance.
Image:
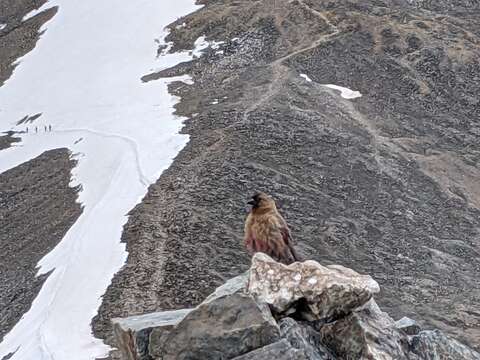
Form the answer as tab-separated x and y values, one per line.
387	181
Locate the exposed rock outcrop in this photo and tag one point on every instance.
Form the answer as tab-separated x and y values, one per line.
366	334
134	332
435	345
37	207
7	139
303	311
326	292
408	325
219	329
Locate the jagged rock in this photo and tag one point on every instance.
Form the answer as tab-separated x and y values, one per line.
366	334
233	324
408	326
303	337
327	292
133	332
300	341
435	345
222	328
281	350
231	286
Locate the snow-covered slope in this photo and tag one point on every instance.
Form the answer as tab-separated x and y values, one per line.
84	78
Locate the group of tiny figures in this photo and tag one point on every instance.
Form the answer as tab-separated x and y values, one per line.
45	127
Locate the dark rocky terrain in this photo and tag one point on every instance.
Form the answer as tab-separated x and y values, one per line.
386	184
37	207
18	37
7	140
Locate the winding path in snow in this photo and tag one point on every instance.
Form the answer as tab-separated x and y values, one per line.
129	141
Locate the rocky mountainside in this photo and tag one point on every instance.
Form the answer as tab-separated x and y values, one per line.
385	184
36	210
303	311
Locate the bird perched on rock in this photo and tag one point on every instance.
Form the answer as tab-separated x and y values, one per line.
267	231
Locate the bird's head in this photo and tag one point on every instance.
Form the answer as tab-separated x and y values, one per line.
261	201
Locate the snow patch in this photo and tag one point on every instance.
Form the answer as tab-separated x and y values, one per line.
344	92
305	76
201	44
3	26
187	80
91	90
216	44
164	48
35	12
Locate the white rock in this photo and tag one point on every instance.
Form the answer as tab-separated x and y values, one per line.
328	291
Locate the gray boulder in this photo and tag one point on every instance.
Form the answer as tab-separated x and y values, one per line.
234	285
366	334
304	338
326	292
300	341
435	345
408	326
280	350
133	333
223	328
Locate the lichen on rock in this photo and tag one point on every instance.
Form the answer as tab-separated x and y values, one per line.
326	292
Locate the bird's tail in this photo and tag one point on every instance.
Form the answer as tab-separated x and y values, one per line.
295	255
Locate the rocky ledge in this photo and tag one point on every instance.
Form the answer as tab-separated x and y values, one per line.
273	311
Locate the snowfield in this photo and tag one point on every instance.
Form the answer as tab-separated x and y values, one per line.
84	78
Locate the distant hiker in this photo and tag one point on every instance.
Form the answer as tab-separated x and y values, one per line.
27	130
45	127
36	129
49	127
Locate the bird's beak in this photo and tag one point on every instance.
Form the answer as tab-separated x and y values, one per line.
251	202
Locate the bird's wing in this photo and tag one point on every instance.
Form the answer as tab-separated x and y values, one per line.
288	240
248	239
277	245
